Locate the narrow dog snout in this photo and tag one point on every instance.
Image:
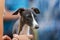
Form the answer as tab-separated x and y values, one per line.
36	27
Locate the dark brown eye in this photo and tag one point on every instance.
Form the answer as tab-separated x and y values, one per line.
28	15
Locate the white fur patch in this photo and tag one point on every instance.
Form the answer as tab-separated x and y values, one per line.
34	21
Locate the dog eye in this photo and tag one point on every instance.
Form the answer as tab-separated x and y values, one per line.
27	15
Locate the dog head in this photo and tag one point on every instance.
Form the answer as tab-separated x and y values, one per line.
28	16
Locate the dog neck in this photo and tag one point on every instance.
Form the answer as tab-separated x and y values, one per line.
25	30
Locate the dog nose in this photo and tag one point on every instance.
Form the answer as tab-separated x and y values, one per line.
36	27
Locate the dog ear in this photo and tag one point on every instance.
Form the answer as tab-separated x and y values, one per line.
15	13
19	11
36	10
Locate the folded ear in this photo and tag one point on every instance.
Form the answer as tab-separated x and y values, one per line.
36	10
15	13
19	11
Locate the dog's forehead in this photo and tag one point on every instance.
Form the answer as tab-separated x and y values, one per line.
29	12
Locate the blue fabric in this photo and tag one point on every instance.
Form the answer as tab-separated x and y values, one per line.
8	26
12	5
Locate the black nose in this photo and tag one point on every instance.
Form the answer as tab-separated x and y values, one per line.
36	27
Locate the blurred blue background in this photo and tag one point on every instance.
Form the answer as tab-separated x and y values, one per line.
48	19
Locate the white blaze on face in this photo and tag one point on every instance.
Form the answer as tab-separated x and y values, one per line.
34	24
34	21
